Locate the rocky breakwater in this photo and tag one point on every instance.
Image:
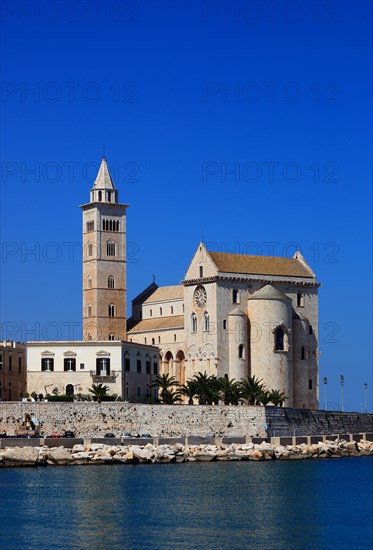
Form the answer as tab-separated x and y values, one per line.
96	453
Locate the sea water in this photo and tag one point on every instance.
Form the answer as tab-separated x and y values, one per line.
309	504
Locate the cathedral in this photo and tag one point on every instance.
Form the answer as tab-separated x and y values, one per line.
237	315
232	315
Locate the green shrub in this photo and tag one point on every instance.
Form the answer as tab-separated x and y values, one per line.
83	397
60	397
107	398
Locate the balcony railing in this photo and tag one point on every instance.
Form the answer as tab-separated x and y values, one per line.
103	378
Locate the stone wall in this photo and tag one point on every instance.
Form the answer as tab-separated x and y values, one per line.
94	420
285	421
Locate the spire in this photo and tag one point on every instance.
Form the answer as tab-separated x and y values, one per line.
103	179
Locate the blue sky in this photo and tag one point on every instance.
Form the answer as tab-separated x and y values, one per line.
252	129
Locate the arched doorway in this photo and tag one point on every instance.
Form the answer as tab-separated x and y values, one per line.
69	389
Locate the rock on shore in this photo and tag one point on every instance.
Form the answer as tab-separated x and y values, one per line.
96	453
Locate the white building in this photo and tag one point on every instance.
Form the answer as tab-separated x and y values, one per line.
72	367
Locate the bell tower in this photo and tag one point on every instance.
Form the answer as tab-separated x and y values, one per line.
104	261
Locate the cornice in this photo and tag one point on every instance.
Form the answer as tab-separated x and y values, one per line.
221	278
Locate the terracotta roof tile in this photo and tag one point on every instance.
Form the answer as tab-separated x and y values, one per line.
159	323
165	293
259	265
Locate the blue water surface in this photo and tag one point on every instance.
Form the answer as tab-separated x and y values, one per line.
314	504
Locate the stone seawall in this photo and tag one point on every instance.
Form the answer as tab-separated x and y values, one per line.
285	421
94	420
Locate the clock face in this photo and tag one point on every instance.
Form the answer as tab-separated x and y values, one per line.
200	297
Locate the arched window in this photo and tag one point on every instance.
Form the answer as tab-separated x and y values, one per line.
89	311
109	196
172	310
224	325
300	299
111	310
241	351
89	282
100	196
160	311
110	282
151	313
69	389
235	296
311	329
194	322
303	354
153	341
206	321
279	339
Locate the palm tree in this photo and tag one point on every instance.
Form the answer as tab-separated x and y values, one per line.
277	398
251	389
189	390
170	397
229	390
99	391
207	388
264	397
165	382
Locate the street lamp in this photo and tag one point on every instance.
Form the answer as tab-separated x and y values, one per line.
325	384
365	397
342	379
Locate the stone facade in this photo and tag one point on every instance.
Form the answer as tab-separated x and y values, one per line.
104	262
237	315
94	420
12	370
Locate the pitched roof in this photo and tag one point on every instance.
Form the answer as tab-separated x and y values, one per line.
140	298
165	293
237	311
159	323
259	265
269	292
103	179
